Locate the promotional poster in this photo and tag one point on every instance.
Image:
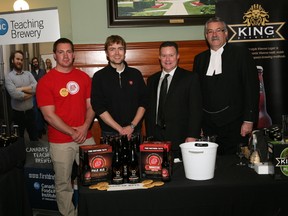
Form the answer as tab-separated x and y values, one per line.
261	26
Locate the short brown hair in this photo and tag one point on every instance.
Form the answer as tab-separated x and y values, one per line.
62	40
169	44
114	39
12	56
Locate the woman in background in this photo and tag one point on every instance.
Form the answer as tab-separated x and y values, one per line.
48	65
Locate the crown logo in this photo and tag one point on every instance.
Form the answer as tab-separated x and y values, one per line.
256	16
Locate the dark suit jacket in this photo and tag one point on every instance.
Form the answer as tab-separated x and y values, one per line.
183	107
40	74
236	88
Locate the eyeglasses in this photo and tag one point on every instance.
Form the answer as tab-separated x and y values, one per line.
210	31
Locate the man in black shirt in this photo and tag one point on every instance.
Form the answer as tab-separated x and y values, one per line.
118	96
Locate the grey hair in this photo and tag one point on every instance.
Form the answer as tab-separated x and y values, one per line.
215	19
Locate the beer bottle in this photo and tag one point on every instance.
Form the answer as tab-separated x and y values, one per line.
254	157
133	167
4	137
108	140
1	139
264	120
14	134
86	169
165	172
136	139
117	168
102	140
125	156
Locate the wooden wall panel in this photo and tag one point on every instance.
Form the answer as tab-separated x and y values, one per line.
141	55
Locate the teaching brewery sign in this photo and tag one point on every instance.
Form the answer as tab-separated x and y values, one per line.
31	26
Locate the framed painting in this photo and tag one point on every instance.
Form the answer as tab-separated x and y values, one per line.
141	13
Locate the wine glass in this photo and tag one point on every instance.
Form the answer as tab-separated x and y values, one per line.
240	154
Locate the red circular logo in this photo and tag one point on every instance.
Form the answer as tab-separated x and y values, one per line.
154	160
165	173
97	162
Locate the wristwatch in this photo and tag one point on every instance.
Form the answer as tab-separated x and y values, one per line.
132	125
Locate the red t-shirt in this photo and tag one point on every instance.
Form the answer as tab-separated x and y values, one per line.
68	92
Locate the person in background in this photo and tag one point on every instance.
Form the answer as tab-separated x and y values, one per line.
230	88
181	114
119	95
21	86
38	73
48	65
63	96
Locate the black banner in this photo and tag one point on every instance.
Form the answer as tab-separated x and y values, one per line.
261	26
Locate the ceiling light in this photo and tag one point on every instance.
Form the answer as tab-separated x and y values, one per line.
20	5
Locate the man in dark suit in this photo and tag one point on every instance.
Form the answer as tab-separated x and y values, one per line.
38	73
181	119
230	88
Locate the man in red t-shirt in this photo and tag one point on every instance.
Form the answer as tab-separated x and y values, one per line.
63	95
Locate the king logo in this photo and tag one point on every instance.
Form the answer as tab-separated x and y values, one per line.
256	27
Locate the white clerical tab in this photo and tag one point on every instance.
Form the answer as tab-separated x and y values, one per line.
215	64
